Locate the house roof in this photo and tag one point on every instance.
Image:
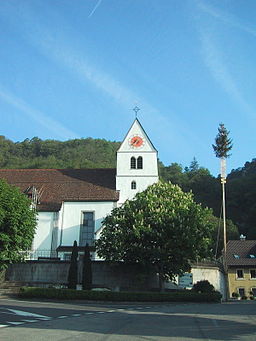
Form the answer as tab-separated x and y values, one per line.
57	185
241	253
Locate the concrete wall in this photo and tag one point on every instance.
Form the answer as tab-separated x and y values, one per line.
37	272
114	277
107	275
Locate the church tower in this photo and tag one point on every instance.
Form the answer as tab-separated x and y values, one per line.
136	163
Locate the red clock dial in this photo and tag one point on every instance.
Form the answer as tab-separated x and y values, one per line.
136	141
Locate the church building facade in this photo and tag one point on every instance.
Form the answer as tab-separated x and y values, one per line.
72	203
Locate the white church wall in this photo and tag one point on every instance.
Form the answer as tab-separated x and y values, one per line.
150	167
43	236
72	218
124	183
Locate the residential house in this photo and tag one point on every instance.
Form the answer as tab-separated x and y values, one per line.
241	264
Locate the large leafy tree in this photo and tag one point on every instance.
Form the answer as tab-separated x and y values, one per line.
17	224
161	227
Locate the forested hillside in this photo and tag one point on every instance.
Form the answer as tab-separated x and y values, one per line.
79	153
98	153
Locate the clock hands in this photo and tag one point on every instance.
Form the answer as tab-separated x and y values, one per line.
136	141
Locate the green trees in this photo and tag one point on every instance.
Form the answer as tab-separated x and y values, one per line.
161	227
73	269
78	153
17	224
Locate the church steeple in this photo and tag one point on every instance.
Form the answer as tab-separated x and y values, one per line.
136	163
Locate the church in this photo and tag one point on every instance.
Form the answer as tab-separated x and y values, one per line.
71	203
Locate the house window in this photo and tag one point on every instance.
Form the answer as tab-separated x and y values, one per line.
253	274
133	163
133	185
239	274
253	290
139	162
241	292
87	229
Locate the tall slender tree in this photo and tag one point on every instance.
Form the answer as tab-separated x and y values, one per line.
72	274
87	269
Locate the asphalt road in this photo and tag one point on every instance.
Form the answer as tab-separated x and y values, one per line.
32	320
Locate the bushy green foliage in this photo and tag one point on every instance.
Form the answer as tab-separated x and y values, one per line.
203	286
17	224
72	273
162	226
179	296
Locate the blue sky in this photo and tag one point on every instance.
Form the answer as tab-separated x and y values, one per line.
76	68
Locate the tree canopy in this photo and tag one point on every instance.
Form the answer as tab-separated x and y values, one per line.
17	224
161	227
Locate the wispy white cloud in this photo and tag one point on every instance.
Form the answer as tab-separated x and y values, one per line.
225	17
59	48
214	61
94	9
44	120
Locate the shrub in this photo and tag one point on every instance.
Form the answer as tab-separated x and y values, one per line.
244	297
179	296
235	294
203	287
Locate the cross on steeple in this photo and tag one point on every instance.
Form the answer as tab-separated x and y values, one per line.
136	109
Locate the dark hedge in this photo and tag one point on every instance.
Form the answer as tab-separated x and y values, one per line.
179	296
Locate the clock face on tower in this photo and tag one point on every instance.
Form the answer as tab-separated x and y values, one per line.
136	141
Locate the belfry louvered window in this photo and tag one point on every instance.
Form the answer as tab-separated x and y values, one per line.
133	163
139	163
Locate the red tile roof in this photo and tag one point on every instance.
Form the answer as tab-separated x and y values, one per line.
243	249
59	185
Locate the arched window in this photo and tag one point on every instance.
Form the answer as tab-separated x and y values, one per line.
133	185
139	162
133	162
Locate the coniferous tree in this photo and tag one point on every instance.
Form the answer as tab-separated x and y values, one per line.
223	144
72	274
87	269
